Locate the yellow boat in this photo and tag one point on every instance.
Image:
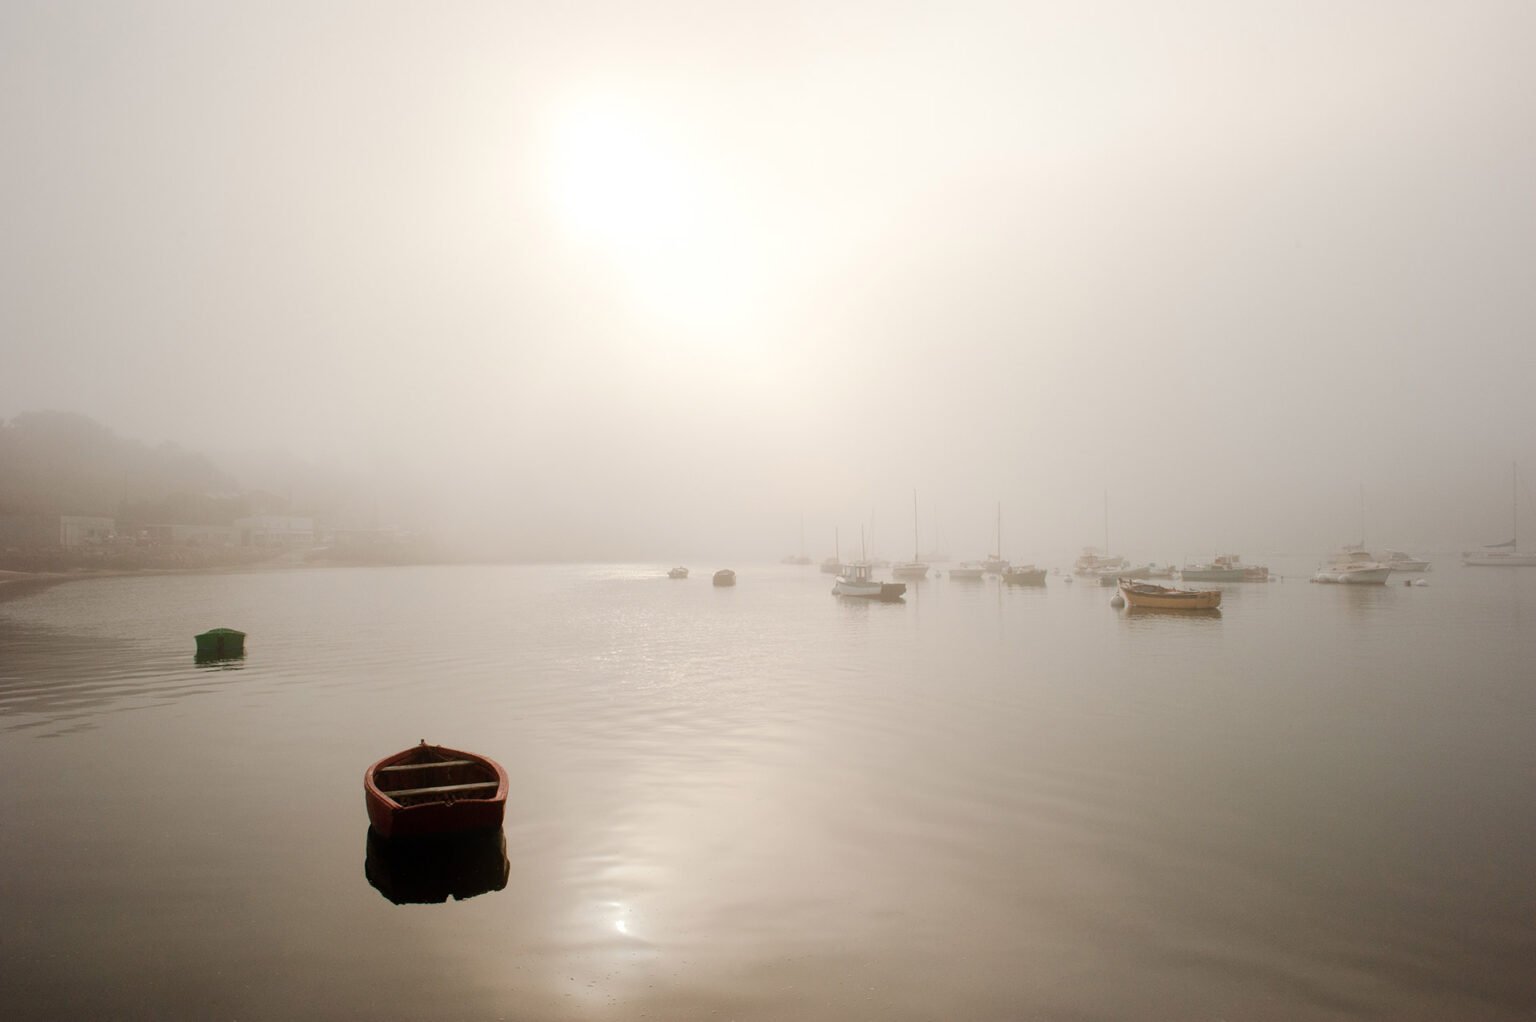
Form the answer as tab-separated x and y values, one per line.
1146	594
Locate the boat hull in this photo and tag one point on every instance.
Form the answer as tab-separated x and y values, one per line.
725	577
885	591
1355	577
910	570
1500	561
1150	597
393	813
1213	574
1024	576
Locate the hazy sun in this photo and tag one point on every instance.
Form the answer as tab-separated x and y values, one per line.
625	188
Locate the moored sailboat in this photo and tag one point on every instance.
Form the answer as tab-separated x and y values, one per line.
1506	554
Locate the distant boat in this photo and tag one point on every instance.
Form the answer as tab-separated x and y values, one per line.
430	790
799	558
1225	568
725	577
1400	562
678	572
1155	597
995	563
857	581
1504	555
1092	564
968	569
1353	566
1024	575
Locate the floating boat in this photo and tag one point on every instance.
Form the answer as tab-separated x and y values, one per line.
678	572
1148	595
1226	568
1506	554
220	644
725	577
1353	566
432	790
1402	563
1092	564
857	581
1024	575
968	569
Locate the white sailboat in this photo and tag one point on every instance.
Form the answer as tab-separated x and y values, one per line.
995	564
1507	554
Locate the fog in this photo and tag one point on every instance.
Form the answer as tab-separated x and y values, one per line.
651	281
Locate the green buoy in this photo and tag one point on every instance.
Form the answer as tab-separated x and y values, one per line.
220	644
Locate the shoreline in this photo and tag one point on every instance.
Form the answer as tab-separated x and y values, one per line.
18	584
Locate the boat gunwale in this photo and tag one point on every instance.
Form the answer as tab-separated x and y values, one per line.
370	783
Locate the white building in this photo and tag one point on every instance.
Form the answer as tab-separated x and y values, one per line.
80	530
288	531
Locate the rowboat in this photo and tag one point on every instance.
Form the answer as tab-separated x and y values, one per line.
1024	575
429	789
1148	594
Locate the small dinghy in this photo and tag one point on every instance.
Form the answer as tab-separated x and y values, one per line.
431	790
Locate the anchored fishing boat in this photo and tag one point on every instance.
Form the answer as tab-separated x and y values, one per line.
858	581
1156	597
430	789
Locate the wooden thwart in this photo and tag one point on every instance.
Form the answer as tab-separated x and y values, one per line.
443	789
426	766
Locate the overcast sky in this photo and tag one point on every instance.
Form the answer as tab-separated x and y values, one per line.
622	279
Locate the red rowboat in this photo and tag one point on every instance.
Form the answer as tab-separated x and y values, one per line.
430	789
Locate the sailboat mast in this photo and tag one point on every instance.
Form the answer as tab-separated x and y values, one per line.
1514	505
916	543
999	530
1106	521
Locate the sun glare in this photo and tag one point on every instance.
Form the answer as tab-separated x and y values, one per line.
627	191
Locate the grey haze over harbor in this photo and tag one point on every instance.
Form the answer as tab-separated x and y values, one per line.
635	281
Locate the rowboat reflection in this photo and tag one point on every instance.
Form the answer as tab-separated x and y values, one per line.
427	871
1206	614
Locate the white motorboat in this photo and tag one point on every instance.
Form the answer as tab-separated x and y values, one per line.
678	572
1401	562
1092	564
858	581
968	569
1353	566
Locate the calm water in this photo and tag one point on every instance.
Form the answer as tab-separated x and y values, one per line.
763	803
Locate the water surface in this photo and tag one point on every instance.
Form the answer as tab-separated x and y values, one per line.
766	803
